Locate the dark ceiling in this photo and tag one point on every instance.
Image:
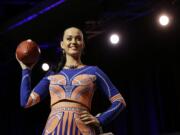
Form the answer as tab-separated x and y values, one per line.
91	14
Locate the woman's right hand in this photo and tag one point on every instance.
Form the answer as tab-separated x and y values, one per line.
23	66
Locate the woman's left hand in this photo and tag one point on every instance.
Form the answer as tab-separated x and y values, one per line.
89	119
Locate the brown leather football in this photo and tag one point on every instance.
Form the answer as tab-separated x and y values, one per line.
28	52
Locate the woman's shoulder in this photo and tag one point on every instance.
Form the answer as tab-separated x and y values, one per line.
95	68
49	74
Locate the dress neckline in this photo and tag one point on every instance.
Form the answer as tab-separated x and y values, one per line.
75	68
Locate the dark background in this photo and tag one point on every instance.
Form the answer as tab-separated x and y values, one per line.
144	66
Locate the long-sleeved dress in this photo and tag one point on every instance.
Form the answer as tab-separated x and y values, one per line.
71	91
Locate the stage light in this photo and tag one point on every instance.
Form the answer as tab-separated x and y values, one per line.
114	39
45	67
35	15
164	20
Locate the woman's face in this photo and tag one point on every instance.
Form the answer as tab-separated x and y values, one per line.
73	42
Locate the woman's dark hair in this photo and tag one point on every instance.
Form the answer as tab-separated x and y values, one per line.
57	68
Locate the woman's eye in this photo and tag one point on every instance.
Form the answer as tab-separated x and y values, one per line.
78	38
69	39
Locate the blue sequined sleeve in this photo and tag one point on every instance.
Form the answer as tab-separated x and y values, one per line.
25	90
112	93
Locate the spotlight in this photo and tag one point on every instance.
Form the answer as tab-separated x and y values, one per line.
45	67
114	39
164	20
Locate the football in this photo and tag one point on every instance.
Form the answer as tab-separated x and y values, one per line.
28	52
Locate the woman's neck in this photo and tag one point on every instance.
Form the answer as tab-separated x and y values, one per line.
75	61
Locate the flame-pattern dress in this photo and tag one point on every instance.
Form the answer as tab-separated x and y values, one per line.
71	91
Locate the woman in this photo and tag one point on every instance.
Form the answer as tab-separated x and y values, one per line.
71	90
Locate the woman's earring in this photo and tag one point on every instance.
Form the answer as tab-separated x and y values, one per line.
63	52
